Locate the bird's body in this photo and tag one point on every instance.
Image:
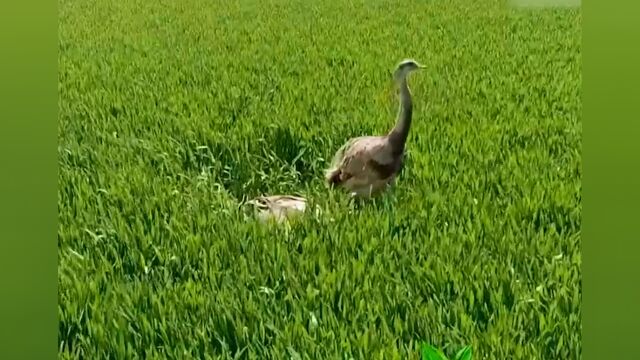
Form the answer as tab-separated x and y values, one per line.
366	165
279	207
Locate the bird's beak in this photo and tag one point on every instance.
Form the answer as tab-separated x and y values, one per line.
421	67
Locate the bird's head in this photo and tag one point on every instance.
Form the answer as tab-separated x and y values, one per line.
405	67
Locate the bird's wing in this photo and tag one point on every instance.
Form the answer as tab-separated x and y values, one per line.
343	151
381	151
367	153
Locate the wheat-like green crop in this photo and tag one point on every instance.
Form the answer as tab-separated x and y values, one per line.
173	112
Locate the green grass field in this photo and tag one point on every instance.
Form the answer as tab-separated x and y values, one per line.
172	112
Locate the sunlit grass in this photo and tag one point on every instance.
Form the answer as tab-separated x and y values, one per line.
171	113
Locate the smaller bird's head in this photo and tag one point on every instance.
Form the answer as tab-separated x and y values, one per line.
405	67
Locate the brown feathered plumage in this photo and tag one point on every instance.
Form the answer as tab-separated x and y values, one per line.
279	207
367	165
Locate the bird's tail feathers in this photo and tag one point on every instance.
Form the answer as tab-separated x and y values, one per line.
332	176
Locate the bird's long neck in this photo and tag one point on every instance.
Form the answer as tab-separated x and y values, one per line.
399	133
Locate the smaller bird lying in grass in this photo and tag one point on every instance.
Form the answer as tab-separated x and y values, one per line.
279	207
366	165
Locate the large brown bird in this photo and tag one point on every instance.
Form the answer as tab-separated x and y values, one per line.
367	165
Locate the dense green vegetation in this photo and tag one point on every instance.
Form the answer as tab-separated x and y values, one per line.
172	112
